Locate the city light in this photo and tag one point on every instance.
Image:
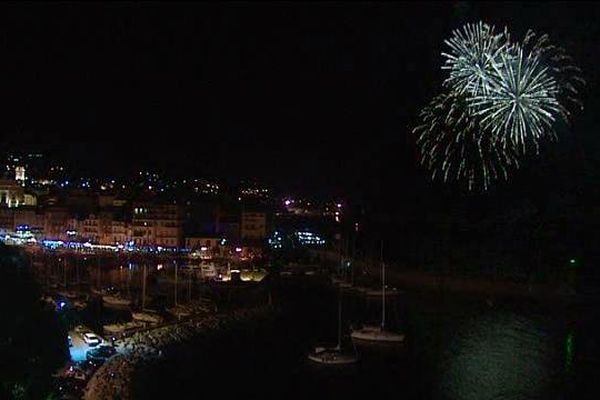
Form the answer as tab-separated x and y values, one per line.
309	239
276	241
183	233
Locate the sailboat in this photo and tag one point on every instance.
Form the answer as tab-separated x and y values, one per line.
334	355
373	334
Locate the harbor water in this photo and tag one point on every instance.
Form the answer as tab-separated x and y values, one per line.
457	347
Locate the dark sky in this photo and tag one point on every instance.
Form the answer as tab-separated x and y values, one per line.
305	96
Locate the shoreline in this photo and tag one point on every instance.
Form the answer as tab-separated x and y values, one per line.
115	377
493	286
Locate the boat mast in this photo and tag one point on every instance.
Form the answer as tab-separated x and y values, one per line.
77	272
128	281
144	288
383	289
65	271
346	264
341	264
353	259
99	274
339	343
176	283
190	284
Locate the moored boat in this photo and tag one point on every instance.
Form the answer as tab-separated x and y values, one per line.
370	334
334	355
115	301
376	334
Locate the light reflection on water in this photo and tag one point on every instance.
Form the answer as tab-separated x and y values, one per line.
467	348
501	356
569	352
457	349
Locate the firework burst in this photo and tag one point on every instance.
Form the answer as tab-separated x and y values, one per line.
501	99
522	104
470	61
561	67
453	148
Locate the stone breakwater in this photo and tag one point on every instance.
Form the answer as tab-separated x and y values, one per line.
114	378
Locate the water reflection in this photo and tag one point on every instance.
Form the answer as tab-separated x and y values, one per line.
501	356
569	352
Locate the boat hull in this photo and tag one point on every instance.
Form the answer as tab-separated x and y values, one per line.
375	337
115	302
332	357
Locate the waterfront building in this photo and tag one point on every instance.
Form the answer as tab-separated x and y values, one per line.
157	224
30	217
56	222
12	194
254	225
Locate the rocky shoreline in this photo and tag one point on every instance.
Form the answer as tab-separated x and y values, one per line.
114	379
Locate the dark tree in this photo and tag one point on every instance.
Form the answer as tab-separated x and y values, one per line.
33	343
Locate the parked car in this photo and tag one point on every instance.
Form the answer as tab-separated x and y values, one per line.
100	353
91	339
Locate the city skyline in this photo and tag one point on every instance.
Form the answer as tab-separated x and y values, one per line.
234	197
203	88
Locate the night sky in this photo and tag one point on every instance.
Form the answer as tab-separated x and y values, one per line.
308	97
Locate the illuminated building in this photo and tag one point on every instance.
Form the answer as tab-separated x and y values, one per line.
93	228
104	228
157	224
120	232
56	221
7	220
142	226
306	238
12	194
28	216
168	219
207	245
254	225
20	175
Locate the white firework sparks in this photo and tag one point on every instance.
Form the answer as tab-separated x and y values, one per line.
561	66
453	147
501	99
473	52
522	104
